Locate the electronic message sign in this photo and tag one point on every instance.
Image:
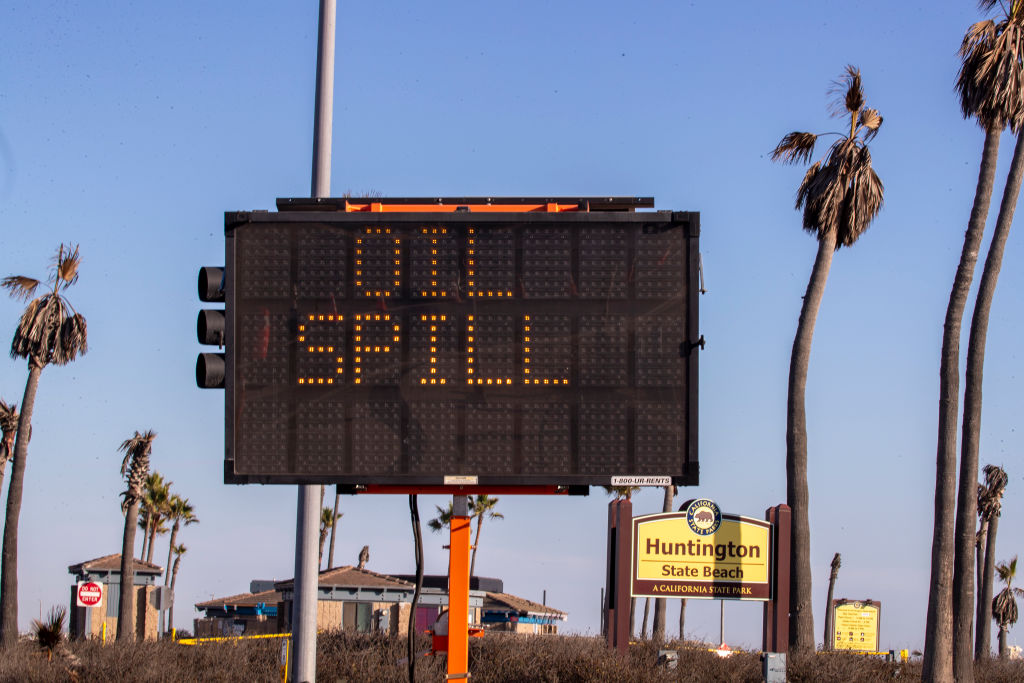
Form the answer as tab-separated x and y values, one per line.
492	342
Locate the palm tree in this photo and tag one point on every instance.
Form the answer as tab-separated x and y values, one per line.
334	529
990	507
153	507
990	44
327	520
178	551
840	196
8	428
49	332
660	606
180	512
1004	605
481	506
989	89
135	469
830	637
443	519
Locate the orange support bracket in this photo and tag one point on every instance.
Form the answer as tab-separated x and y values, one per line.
458	590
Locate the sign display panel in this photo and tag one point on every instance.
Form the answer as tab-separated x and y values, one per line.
700	552
404	347
856	624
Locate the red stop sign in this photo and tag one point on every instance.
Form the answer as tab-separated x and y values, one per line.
90	593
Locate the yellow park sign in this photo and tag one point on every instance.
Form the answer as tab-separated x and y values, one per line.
856	624
699	552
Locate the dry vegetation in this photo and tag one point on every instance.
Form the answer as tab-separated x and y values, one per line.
372	659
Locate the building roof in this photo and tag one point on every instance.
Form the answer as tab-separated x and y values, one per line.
242	600
352	577
112	563
507	602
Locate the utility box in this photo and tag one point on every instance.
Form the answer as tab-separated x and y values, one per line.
773	667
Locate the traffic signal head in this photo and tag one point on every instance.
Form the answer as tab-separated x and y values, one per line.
210	329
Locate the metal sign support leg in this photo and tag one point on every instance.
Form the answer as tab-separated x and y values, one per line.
458	590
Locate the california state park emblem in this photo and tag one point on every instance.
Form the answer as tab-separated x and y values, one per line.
703	516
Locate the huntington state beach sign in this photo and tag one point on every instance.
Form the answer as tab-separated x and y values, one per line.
699	552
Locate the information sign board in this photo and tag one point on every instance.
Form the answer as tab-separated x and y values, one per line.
856	624
414	347
701	552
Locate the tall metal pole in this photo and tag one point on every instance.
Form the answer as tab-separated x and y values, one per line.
306	528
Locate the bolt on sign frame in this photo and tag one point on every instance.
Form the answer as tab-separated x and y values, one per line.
461	344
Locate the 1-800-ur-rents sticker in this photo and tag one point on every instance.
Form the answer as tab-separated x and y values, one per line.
701	553
641	481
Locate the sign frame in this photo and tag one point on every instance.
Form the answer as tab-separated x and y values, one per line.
722	588
481	212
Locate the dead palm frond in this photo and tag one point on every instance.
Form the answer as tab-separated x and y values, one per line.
135	466
8	429
795	147
991	78
847	92
50	633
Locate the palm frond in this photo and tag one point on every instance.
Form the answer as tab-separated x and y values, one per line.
135	466
848	93
50	633
8	429
20	286
872	121
66	265
991	77
795	147
621	492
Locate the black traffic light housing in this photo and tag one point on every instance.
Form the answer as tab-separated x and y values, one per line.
210	329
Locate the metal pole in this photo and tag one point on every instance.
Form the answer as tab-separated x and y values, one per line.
458	589
303	669
721	623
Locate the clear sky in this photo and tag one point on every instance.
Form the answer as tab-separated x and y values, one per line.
130	127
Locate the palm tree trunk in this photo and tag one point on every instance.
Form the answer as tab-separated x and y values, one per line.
632	617
15	489
987	586
937	663
170	552
145	539
967	502
334	529
980	651
830	638
801	624
660	606
1004	652
476	543
152	543
174	578
682	617
126	609
643	626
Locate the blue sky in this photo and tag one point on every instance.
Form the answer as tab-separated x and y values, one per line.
131	127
